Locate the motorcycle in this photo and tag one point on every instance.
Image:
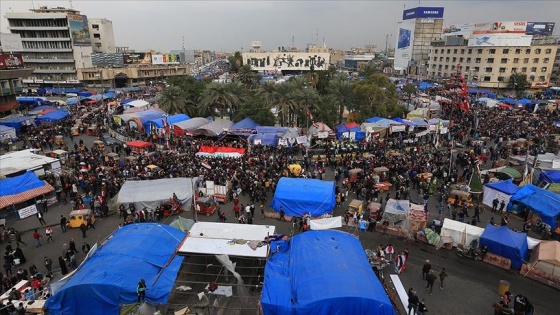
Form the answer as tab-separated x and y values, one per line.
469	252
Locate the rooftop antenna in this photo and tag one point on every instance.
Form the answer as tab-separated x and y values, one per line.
317	38
293	42
324	41
183	43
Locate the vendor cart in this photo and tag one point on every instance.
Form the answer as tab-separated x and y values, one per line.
99	145
355	206
461	195
374	209
92	130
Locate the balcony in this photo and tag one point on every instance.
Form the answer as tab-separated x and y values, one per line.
48	60
54	71
41	28
46	39
44	50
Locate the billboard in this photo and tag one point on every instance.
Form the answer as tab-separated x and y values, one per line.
137	58
540	28
275	61
105	60
501	27
423	12
165	59
500	40
11	61
79	30
403	51
10	42
465	29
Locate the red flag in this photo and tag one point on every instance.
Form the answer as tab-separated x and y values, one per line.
465	106
309	115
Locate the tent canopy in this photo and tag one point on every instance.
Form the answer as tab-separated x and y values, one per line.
460	232
193	123
19	184
543	202
322	272
7	132
511	172
270	129
318	127
146	247
170	120
17	122
182	224
153	193
137	103
54	116
301	195
504	242
213	129
550	176
503	190
505	186
139	144
268	139
246	123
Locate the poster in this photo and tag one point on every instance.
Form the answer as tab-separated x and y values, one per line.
403	53
11	61
137	58
79	30
540	28
27	211
165	59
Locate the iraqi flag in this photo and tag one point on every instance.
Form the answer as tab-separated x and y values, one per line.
206	165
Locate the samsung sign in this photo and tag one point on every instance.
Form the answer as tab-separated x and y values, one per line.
423	12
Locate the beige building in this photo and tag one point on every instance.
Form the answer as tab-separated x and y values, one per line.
129	76
102	37
491	66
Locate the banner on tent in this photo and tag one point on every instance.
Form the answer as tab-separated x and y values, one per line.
301	139
323	134
283	142
397	128
27	211
326	223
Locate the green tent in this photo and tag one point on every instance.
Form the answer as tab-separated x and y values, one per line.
182	224
511	172
433	237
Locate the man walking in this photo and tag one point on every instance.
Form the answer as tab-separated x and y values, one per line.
442	276
495	203
41	219
48	264
37	238
477	213
426	269
431	278
413	302
63	222
83	228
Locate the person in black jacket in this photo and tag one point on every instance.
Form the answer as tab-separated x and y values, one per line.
413	302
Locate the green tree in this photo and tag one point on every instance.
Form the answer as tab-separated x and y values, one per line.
306	99
235	62
254	108
518	81
247	76
324	79
328	110
182	95
173	100
367	71
221	98
341	91
377	96
285	101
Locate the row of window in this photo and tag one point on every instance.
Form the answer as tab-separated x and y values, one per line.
489	60
493	51
541	78
490	69
47	45
38	23
48	56
43	34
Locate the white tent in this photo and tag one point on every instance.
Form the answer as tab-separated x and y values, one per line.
396	213
461	233
137	104
153	193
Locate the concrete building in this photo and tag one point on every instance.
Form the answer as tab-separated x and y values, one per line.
10	86
132	75
56	42
102	36
490	65
555	79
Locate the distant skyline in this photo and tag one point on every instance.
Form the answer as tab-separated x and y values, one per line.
231	25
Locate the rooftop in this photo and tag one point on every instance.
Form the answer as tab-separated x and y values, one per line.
14	162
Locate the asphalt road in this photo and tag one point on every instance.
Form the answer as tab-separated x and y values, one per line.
470	289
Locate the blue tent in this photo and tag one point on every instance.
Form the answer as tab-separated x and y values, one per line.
16	122
268	139
550	177
403	121
510	101
96	97
41	108
54	116
170	120
127	100
72	101
505	186
302	195
504	242
543	202
246	123
322	272
269	129
373	119
109	95
524	101
110	275
22	183
85	94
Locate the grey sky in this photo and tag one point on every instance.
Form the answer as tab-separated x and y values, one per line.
230	25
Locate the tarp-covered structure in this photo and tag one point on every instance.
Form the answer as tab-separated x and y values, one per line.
396	213
546	204
506	243
322	272
298	196
244	127
109	277
460	232
503	190
547	258
550	177
213	129
7	133
53	117
193	123
153	193
320	128
267	139
17	122
350	130
182	224
18	189
159	122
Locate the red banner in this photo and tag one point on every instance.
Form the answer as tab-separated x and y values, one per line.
220	150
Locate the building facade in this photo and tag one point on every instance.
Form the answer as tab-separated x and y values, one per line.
490	66
11	86
102	37
132	75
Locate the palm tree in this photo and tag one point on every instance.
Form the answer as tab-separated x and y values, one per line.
221	98
307	99
342	92
285	101
173	100
247	76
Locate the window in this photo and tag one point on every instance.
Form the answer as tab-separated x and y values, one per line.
533	69
454	59
518	51
440	58
446	59
435	58
525	60
461	59
490	60
524	70
479	51
436	51
543	69
468	60
487	79
477	60
513	70
503	60
462	51
488	69
515	60
467	68
535	60
546	60
542	78
505	51
449	51
455	51
537	51
469	51
492	51
95	26
548	51
502	70
446	67
528	51
98	36
500	79
476	69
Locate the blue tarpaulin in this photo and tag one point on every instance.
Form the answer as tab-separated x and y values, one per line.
128	100
22	183
322	272
72	101
246	123
302	195
269	129
54	116
504	242
524	101
170	120
510	101
550	177
109	95
268	139
85	94
16	122
109	277
505	186
373	119
543	202
95	97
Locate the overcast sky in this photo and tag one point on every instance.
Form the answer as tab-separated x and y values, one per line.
230	25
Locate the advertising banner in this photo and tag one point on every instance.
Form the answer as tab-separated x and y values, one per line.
79	30
540	28
461	29
499	40
271	61
501	27
10	42
137	58
165	59
423	12
11	61
27	211
403	53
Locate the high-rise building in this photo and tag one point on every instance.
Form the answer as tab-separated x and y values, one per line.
102	36
56	42
418	28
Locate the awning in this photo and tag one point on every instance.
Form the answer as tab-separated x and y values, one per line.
9	200
511	172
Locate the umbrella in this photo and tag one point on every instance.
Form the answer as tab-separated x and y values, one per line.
381	169
355	171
